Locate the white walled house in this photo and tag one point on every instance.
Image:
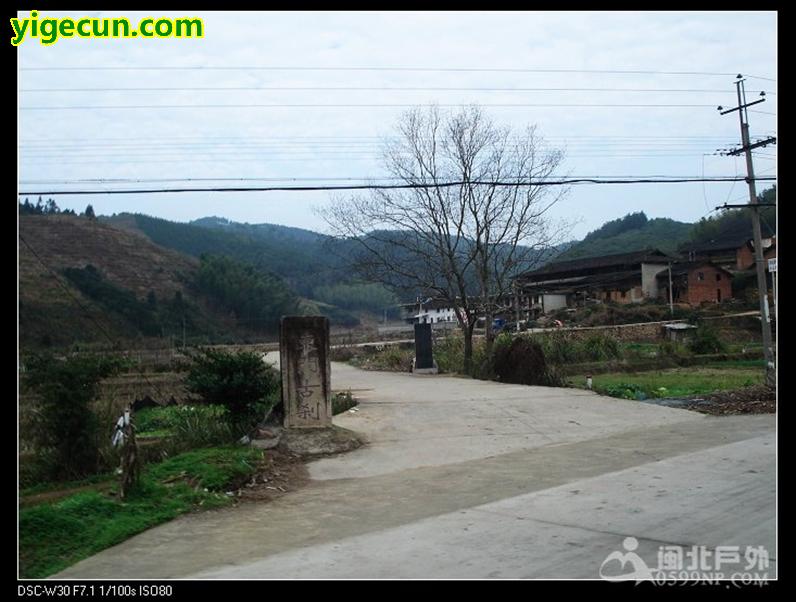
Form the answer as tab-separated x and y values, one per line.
430	311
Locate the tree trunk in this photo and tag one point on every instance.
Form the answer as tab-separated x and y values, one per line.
489	335
467	331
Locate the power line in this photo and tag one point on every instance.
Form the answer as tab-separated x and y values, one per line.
354	145
301	179
389	186
277	160
338	137
355	106
375	89
419	69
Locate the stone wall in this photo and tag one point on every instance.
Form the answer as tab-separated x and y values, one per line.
645	332
737	328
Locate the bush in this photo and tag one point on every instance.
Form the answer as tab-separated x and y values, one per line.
241	382
65	429
188	426
522	362
672	349
449	353
342	401
197	426
706	340
600	347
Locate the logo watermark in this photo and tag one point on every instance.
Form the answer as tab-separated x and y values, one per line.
701	564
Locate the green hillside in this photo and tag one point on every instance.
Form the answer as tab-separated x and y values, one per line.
737	223
315	266
631	233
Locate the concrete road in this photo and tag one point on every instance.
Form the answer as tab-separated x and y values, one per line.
475	479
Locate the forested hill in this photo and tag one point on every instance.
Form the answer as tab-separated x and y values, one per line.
635	231
304	259
315	266
737	223
630	233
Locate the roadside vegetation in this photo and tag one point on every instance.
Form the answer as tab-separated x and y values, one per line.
677	382
55	535
706	363
70	506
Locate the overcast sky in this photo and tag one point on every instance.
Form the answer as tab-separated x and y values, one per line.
60	145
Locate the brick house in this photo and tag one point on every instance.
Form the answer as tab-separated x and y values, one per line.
696	282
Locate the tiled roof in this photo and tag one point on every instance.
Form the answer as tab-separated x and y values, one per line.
586	263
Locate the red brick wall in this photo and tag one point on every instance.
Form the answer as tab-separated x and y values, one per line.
706	290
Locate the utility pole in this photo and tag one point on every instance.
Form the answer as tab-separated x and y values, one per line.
762	285
671	297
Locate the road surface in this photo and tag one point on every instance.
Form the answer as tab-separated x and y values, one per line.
475	479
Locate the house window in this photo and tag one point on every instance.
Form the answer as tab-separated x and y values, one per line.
718	277
701	276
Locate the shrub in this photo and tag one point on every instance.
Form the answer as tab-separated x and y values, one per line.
449	353
198	426
601	347
241	382
706	340
64	428
672	349
342	401
522	362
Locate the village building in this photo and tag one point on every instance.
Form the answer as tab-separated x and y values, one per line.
735	254
696	282
429	311
621	278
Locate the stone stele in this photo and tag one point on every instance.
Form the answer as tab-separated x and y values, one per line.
304	359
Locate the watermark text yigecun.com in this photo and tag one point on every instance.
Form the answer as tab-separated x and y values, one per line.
49	30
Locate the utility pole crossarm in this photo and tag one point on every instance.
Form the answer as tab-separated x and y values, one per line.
760	143
742	106
746	206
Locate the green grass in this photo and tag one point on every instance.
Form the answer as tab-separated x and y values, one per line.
165	419
53	536
61	485
678	382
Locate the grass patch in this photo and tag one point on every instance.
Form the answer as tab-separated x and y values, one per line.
678	382
53	536
61	485
392	358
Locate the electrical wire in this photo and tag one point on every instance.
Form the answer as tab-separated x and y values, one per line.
560	182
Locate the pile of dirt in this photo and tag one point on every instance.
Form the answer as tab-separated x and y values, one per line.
758	399
313	442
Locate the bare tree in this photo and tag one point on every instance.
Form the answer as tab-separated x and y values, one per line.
476	218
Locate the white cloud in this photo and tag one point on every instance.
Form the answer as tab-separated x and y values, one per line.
670	41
